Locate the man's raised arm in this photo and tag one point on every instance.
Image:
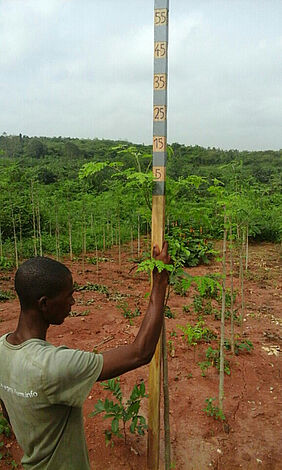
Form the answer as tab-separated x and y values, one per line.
140	352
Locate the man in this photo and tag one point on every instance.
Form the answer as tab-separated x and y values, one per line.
43	387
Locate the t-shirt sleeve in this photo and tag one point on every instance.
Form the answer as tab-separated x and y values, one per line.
69	375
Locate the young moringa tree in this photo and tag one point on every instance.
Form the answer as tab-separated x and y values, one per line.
39	229
231	286
1	243
70	238
222	332
15	240
33	218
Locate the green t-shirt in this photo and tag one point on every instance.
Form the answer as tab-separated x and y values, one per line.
43	388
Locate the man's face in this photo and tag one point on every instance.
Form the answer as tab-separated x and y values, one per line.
59	307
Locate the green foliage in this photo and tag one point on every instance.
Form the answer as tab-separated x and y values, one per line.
207	286
89	286
212	410
188	247
239	346
4	426
197	333
127	312
6	264
168	312
121	411
84	313
6	295
213	359
94	260
114	191
5	430
150	264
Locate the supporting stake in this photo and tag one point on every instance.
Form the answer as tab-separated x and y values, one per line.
166	401
161	8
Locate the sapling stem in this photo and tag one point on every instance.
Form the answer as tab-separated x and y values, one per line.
221	367
1	242
21	237
138	236
39	229
231	287
33	220
70	239
15	240
247	247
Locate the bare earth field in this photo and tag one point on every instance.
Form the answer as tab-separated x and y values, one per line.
250	438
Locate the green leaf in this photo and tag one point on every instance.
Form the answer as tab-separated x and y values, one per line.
115	425
133	425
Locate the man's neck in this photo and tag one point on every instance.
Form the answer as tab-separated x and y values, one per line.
29	326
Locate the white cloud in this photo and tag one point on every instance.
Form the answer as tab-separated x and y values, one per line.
85	69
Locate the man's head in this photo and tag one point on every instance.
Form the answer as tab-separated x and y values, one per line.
46	285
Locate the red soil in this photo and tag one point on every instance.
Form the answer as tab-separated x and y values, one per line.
250	438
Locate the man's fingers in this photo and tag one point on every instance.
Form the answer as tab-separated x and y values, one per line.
162	255
156	250
165	248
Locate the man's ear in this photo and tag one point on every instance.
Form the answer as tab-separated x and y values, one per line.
43	303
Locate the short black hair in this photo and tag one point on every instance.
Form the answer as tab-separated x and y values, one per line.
38	277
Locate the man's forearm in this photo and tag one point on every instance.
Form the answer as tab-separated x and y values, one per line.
150	329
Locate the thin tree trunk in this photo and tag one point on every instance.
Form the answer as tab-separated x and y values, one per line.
231	288
112	233
138	236
131	242
221	367
166	401
1	243
33	221
70	239
39	230
119	243
104	239
241	277
21	237
247	247
83	245
57	237
15	240
97	258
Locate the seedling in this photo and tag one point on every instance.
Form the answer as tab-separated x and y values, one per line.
127	312
5	430
85	313
171	348
4	426
212	410
197	333
168	312
89	286
6	264
120	412
239	346
6	295
213	359
186	308
94	260
149	264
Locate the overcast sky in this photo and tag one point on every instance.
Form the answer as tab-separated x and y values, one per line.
83	68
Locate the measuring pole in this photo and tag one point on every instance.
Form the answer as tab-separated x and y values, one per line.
161	9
